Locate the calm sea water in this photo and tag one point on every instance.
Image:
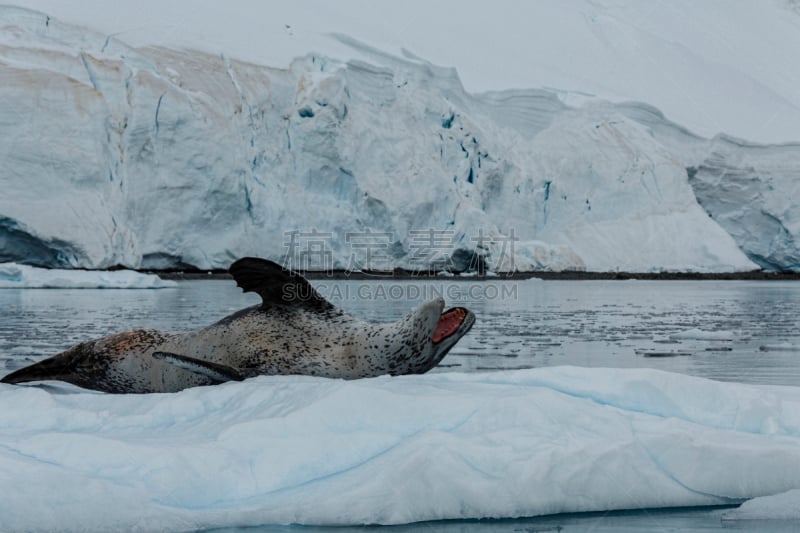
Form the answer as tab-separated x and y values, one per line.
727	330
749	331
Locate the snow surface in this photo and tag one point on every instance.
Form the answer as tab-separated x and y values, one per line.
166	158
14	276
391	450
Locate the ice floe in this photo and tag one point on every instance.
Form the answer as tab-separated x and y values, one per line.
279	450
16	276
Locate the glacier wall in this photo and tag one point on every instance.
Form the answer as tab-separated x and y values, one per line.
159	158
753	192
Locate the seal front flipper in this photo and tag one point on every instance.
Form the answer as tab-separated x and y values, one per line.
276	285
215	371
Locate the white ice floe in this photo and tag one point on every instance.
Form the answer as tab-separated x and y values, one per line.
783	506
16	276
391	450
779	347
704	335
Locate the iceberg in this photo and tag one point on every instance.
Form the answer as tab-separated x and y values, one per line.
303	450
15	276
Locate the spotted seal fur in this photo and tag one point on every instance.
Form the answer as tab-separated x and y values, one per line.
293	331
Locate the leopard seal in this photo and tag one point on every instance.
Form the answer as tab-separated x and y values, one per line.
293	331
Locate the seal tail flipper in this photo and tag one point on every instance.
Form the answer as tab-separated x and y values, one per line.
34	372
215	371
60	367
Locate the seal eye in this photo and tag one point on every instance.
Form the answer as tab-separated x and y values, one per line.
449	323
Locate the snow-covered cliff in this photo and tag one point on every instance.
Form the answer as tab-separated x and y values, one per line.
155	158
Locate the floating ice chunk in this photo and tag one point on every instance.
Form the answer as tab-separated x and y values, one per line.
779	347
661	353
703	335
16	276
783	506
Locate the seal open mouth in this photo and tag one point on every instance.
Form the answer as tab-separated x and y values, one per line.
450	322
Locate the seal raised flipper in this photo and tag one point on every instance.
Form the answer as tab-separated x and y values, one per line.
215	371
276	285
